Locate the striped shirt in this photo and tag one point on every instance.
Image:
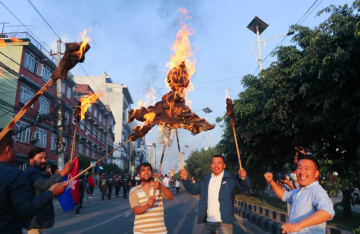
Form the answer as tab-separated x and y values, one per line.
152	221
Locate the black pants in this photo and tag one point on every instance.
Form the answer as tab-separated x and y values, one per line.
109	192
79	204
125	191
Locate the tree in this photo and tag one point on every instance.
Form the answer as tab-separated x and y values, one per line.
309	96
198	163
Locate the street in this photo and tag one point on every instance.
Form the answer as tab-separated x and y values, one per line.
115	216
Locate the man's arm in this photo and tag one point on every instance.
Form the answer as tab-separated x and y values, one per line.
279	192
190	187
318	217
167	193
135	206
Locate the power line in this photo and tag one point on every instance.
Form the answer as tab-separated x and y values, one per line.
43	18
25	26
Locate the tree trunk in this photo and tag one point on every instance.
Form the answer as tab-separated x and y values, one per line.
346	201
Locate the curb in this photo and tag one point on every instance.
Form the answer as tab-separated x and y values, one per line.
268	219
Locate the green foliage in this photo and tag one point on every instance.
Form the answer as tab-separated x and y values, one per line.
113	168
84	162
309	96
356	230
198	163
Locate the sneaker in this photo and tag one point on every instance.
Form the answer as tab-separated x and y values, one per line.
78	215
90	197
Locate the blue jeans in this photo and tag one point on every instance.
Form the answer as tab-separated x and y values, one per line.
218	228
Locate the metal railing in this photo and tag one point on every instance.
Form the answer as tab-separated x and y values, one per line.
26	35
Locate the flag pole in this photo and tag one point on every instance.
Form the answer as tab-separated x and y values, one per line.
93	164
178	144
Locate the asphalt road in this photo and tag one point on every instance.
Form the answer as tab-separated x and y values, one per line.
115	216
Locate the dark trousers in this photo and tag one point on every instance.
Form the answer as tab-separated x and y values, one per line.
79	204
218	228
91	190
109	192
125	189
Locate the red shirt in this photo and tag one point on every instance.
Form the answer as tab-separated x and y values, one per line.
91	181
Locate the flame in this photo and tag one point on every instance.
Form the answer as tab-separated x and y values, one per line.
182	60
86	103
1	73
149	117
227	93
14	39
85	40
2	43
149	93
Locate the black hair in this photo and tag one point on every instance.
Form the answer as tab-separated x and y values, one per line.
144	164
312	158
219	156
7	140
34	152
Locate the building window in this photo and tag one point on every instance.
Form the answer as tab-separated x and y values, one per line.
23	132
63	87
95	112
31	62
99	135
65	144
90	109
68	93
53	142
93	154
67	118
82	125
88	129
26	94
100	117
42	138
44	105
94	132
81	148
87	151
104	122
46	74
109	90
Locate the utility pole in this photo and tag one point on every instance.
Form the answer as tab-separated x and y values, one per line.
60	143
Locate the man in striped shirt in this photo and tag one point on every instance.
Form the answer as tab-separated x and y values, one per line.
147	206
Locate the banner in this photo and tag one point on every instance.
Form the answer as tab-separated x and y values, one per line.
70	196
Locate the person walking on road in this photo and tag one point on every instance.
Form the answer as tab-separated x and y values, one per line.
311	206
217	195
177	186
146	204
82	189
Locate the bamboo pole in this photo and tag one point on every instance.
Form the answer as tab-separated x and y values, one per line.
93	164
161	160
73	143
178	144
237	149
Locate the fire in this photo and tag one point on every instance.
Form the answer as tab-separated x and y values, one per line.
2	43
14	39
85	40
227	93
86	103
149	117
182	61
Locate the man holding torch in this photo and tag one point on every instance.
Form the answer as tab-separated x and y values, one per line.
217	194
148	209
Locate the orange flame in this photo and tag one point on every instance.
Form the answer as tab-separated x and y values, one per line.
86	103
182	55
2	43
1	73
14	39
227	93
85	40
149	117
150	98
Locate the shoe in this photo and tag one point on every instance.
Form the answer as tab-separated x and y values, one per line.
78	215
90	197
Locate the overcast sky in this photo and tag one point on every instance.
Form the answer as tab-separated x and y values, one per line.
131	41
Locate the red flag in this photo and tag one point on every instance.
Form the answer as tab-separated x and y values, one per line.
74	185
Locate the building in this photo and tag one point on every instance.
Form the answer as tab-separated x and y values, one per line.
94	136
151	149
25	67
117	96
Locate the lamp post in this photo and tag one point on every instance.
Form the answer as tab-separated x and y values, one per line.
207	110
258	26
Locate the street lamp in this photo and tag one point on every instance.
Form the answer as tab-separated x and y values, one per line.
207	110
258	26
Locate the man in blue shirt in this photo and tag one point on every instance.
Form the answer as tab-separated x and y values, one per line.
17	201
311	206
217	194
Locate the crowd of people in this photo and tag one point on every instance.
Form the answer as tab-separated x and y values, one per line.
27	196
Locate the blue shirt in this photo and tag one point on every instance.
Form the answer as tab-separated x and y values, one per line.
306	201
16	199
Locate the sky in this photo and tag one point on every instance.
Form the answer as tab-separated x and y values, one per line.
131	41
